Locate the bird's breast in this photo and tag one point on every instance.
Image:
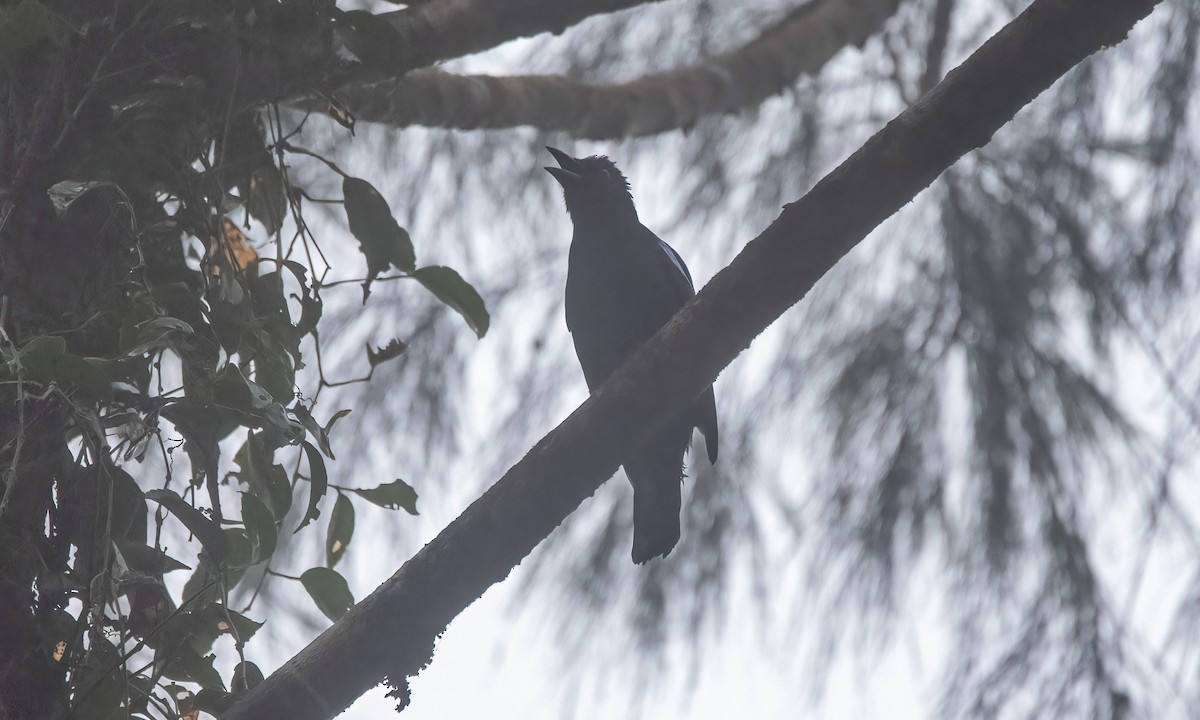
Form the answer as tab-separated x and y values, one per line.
603	293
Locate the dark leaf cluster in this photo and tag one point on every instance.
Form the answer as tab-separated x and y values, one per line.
159	291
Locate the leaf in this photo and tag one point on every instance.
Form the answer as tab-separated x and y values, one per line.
394	349
392	496
45	359
311	309
239	558
240	552
165	323
341	529
26	23
310	305
201	627
142	309
194	589
245	627
233	246
270	305
278	426
122	573
267	480
103	674
185	702
320	434
39	354
340	113
57	632
186	664
297	269
154	334
267	202
214	620
318	485
329	591
92	375
65	192
234	391
132	579
336	416
202	426
260	527
206	531
451	289
246	676
383	241
276	376
139	688
128	515
146	559
230	289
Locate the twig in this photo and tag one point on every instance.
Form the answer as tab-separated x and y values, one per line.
7	212
281	575
262	579
79	698
302	151
94	81
360	281
321	369
16	459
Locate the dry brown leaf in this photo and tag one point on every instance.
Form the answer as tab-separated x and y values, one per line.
233	246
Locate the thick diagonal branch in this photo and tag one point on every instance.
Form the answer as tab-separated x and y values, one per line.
444	29
392	632
732	82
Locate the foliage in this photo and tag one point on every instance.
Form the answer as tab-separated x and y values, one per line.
161	290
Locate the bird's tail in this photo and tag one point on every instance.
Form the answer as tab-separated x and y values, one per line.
656	472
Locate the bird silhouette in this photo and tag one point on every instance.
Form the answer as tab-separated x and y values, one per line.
623	284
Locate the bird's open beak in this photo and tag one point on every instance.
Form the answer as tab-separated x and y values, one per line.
569	171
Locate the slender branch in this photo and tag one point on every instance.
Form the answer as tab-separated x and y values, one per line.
360	281
94	82
391	633
801	43
83	694
15	467
288	147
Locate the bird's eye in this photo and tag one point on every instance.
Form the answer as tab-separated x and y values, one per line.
605	173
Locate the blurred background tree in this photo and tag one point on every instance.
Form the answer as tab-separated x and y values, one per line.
978	431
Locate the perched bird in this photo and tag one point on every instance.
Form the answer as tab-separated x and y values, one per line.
623	284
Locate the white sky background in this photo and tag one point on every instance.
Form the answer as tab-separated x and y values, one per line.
496	663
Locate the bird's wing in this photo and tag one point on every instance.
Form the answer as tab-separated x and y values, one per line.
681	288
654	283
677	262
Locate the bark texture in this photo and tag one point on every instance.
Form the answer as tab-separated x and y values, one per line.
430	32
800	44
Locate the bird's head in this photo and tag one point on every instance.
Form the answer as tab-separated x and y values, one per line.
591	185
